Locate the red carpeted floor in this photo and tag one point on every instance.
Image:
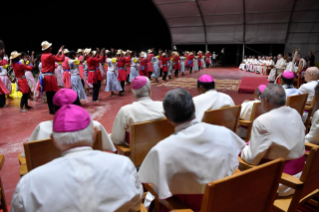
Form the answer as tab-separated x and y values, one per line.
16	127
249	84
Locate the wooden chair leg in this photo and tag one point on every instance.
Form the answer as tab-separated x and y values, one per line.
3	198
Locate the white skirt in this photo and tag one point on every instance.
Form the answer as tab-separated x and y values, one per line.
195	66
183	66
134	73
272	75
31	81
59	75
156	71
112	84
77	86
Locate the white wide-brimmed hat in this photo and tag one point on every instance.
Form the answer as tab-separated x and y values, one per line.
119	51
87	51
94	53
65	51
79	51
14	55
164	54
149	51
45	45
208	52
107	51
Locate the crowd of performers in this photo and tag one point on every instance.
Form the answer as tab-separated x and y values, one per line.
84	69
275	66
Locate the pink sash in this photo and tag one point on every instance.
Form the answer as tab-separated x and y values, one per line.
291	167
127	137
192	201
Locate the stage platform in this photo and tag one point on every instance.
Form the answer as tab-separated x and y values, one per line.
16	127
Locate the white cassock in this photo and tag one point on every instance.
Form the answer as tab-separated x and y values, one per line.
290	67
278	133
242	65
144	109
281	65
211	100
313	135
290	91
44	130
196	154
80	180
309	88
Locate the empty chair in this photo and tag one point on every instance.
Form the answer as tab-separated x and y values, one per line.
227	117
143	136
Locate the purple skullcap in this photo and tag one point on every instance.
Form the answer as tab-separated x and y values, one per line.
64	96
71	118
206	78
288	75
262	88
138	82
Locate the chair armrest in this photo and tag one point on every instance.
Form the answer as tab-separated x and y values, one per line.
245	122
291	181
143	209
1	161
308	107
123	150
22	160
309	146
243	165
23	169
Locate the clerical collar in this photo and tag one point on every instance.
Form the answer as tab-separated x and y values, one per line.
147	98
186	125
287	86
76	149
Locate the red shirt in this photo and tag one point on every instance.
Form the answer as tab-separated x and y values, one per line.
48	62
80	58
120	64
190	57
65	64
127	60
176	59
93	62
19	69
150	56
200	56
3	62
144	61
208	55
164	60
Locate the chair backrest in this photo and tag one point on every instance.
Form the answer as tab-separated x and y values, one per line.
41	152
242	192
310	174
227	117
256	111
145	135
297	102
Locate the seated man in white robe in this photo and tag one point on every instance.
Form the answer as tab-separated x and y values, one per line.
246	108
290	66
82	179
196	154
243	64
313	135
311	77
287	80
143	109
280	65
62	97
209	98
273	137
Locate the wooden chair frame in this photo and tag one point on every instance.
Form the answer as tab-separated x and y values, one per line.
3	206
290	100
310	109
219	117
143	136
254	114
174	204
48	153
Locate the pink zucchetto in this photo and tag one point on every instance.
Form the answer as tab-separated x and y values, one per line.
138	82
206	78
71	118
288	75
64	96
262	88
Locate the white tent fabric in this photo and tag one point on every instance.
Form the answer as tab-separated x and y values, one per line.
291	22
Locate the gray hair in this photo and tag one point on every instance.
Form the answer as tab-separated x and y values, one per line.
298	56
275	94
83	137
178	106
143	91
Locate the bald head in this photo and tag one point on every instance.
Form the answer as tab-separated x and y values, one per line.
312	74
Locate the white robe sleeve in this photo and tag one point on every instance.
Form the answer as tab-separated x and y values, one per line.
136	200
246	108
17	204
313	135
258	145
107	143
119	128
303	89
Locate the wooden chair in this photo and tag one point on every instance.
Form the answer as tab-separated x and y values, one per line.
41	152
143	136
239	192
3	205
227	117
306	187
297	102
310	111
297	79
255	112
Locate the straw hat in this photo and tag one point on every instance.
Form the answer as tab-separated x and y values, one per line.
14	55
124	53
164	54
45	45
128	51
119	51
207	52
149	51
94	53
87	51
79	51
107	51
191	53
65	51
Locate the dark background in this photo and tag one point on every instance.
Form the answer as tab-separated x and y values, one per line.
135	25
